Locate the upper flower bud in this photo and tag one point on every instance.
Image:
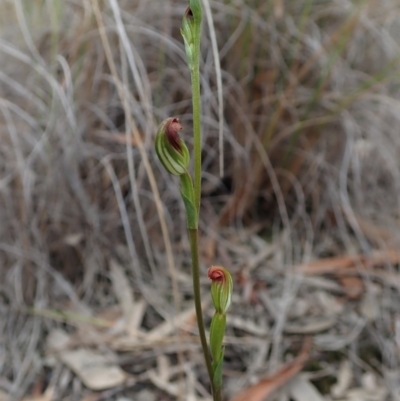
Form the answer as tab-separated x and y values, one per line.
221	288
170	148
188	32
191	30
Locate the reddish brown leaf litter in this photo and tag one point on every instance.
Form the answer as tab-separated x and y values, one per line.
346	268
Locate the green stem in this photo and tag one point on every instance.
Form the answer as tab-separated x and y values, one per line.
192	28
217	395
187	194
196	103
194	250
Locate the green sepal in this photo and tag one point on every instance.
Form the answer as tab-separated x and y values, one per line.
217	371
195	6
188	45
191	213
174	161
221	291
188	32
187	194
217	332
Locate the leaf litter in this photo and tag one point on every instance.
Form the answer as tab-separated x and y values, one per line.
95	353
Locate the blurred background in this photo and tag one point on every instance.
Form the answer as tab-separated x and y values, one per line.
95	286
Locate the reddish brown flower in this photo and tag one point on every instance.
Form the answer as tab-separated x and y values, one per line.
188	13
170	148
221	288
215	273
172	127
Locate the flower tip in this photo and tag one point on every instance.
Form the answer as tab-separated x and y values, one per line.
172	127
175	120
170	148
221	288
216	273
188	13
174	124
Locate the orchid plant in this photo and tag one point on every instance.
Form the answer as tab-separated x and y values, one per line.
175	157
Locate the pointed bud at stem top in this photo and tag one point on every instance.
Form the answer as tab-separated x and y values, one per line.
170	148
195	10
191	28
188	32
221	288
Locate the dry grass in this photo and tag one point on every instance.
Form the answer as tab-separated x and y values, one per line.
312	148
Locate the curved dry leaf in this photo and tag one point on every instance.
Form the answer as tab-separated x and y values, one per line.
339	264
120	138
268	385
347	268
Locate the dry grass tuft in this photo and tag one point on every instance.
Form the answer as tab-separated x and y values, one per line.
311	121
